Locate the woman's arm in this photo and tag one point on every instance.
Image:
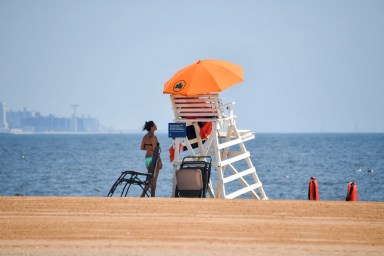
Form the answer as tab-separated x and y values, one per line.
142	147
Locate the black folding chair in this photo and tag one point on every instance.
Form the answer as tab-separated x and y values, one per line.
193	176
141	179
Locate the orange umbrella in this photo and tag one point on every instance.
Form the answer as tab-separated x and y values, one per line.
204	76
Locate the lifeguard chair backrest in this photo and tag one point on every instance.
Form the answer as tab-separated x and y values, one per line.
198	108
152	167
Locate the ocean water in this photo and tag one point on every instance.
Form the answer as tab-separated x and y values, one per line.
88	165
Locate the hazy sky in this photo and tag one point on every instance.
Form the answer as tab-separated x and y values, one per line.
309	66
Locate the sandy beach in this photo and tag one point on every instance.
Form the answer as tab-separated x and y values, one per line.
169	226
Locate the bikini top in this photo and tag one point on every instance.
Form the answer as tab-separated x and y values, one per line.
158	144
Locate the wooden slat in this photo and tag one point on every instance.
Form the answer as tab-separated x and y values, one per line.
239	175
189	113
193	106
234	142
197	101
194	97
199	111
197	108
243	133
180	119
244	190
235	159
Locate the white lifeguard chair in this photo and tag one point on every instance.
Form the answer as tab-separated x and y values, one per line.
223	137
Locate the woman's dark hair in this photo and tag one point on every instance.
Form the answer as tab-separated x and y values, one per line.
148	125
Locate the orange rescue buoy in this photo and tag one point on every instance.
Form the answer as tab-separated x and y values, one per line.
313	190
352	191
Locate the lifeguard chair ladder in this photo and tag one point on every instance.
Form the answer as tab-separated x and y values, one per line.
224	136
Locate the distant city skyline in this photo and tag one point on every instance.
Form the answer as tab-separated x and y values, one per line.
309	66
22	121
26	108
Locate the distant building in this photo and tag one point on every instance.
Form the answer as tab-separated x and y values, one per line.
88	124
3	117
73	124
16	118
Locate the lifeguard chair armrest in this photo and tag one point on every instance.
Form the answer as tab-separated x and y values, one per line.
228	105
137	173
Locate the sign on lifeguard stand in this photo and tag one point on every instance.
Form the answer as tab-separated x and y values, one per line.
177	130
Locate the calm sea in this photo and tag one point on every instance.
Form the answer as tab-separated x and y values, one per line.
88	165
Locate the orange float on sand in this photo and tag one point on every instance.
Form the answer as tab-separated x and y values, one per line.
352	191
313	190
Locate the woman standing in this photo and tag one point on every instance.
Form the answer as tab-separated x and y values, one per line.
149	143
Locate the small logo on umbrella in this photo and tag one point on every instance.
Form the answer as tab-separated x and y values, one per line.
179	85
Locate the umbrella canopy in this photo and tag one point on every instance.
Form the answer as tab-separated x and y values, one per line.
204	76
